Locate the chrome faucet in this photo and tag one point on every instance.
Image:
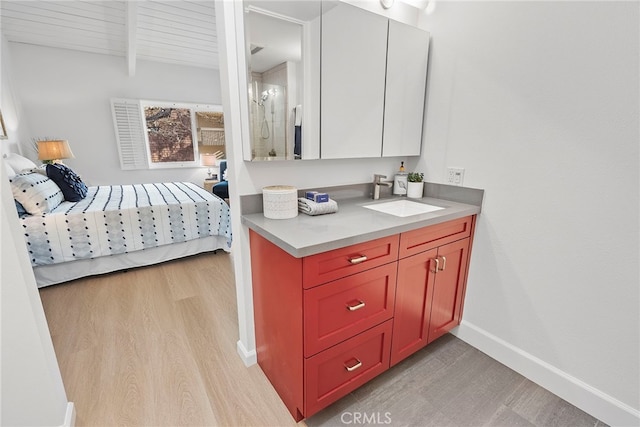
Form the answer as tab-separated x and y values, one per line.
377	184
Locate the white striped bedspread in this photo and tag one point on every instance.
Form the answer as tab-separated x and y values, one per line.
125	218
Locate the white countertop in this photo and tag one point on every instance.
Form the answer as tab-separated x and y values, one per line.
307	235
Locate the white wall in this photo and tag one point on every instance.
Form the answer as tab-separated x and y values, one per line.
32	393
539	102
66	94
14	119
32	390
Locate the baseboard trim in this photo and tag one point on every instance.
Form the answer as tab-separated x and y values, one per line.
591	400
70	415
248	357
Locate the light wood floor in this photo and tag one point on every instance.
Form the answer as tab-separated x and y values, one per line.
157	346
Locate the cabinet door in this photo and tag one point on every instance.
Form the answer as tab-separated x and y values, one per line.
354	50
407	56
449	287
414	293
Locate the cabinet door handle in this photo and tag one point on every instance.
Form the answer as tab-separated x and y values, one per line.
444	263
355	307
354	366
358	260
437	261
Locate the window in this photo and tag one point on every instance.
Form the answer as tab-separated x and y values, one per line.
153	134
210	125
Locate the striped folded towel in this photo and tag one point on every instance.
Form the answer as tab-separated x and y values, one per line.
310	207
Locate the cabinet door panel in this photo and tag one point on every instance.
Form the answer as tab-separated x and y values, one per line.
413	304
354	51
343	308
448	288
407	56
342	368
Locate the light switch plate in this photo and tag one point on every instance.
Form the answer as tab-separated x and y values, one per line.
455	176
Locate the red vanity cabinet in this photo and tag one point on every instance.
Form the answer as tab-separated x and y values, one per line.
317	341
429	297
327	323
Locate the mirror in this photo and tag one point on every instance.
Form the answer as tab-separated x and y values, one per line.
282	47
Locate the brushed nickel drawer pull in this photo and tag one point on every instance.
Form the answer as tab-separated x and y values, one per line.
444	263
358	260
437	265
354	367
356	307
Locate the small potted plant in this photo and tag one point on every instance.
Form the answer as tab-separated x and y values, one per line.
415	185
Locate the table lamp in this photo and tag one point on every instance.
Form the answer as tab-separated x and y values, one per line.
208	160
54	150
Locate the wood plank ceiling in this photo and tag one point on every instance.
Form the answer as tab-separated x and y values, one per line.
172	31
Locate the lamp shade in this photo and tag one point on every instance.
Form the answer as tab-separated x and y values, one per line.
54	150
208	159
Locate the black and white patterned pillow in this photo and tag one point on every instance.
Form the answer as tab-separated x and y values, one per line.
69	182
36	192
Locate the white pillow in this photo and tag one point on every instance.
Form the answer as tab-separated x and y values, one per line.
10	172
37	193
19	163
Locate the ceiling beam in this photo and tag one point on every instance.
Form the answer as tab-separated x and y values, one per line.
132	24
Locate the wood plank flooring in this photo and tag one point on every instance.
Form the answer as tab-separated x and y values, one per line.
156	346
450	384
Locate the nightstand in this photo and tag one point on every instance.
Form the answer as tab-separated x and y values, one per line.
209	183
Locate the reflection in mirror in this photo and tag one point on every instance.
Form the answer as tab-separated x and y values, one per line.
278	36
210	133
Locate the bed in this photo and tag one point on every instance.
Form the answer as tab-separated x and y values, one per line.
119	227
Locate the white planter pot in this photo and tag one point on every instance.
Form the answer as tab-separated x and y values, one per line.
414	189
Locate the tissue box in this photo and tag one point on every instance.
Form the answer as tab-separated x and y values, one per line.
316	196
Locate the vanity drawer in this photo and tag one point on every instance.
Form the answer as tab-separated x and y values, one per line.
332	265
345	307
341	369
423	239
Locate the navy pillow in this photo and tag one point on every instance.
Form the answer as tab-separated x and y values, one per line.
69	182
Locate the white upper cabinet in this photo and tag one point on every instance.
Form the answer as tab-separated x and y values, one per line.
373	80
354	49
407	56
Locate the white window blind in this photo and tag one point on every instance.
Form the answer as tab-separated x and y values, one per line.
127	120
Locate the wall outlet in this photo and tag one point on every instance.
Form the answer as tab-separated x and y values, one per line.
455	176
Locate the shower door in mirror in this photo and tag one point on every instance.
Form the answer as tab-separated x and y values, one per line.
271	133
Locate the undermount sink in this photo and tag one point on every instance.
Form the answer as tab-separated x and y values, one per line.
403	208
